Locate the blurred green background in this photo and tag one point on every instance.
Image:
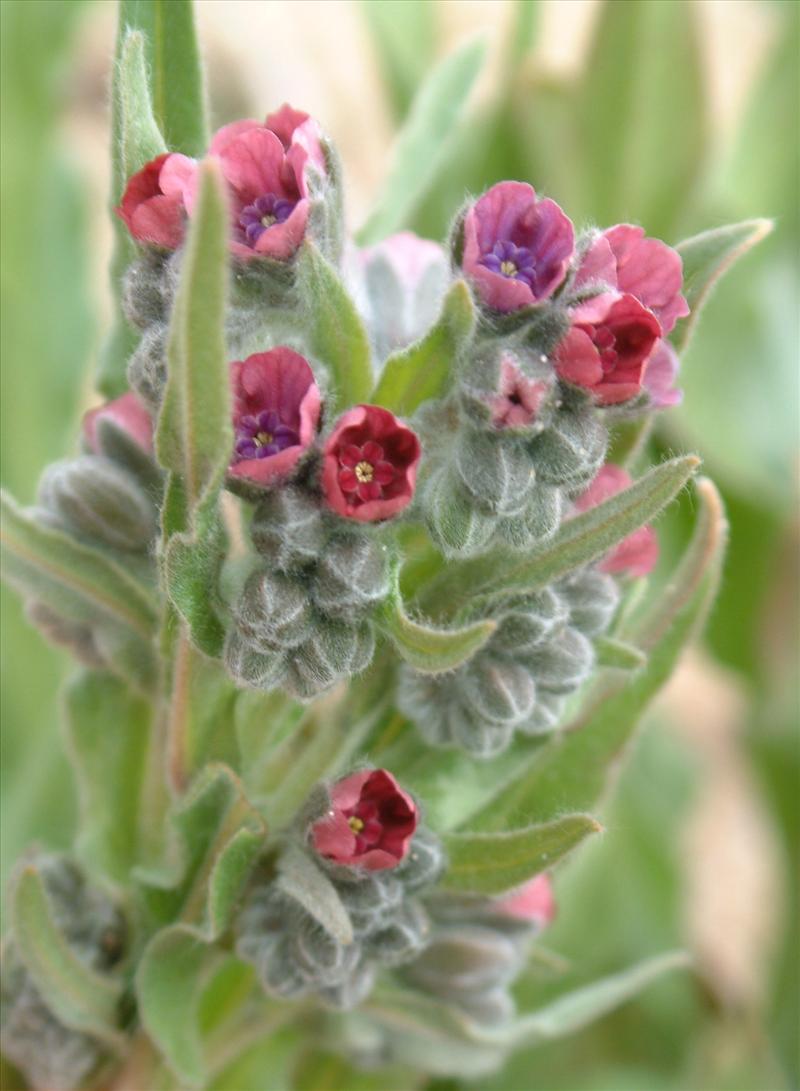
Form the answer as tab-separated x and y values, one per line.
678	114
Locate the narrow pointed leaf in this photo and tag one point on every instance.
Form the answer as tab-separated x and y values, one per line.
140	137
707	257
425	369
434	113
78	996
428	649
580	540
195	437
573	769
174	968
616	653
302	880
335	331
493	863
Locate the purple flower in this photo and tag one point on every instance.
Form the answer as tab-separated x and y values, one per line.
517	247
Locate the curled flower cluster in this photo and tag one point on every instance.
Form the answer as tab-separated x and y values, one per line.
369	860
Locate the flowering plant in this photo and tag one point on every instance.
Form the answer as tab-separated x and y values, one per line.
352	563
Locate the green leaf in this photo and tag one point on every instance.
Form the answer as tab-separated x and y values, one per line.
707	257
575	1010
195	436
109	736
434	114
191	569
210	863
176	77
79	997
572	770
302	880
630	108
616	653
425	369
336	333
404	34
84	586
172	973
426	649
579	541
493	863
140	137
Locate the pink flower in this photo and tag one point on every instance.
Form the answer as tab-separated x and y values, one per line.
370	823
532	902
625	259
128	414
516	246
659	376
517	403
607	347
637	554
267	171
370	464
152	205
276	407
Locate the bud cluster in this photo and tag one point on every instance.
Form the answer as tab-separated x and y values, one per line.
365	861
48	1053
540	653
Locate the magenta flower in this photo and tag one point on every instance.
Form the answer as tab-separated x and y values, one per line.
152	205
625	259
637	554
517	403
607	347
266	168
532	902
370	465
659	376
276	407
128	414
370	823
516	246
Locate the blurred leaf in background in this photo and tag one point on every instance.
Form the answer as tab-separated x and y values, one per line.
47	336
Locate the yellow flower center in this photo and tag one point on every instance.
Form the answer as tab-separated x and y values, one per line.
268	220
355	824
263	439
508	268
364	472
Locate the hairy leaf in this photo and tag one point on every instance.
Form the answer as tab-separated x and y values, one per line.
493	863
425	369
140	138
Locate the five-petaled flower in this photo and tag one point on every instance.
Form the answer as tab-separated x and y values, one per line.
517	246
607	347
637	554
276	407
152	205
370	822
533	902
370	464
126	413
518	400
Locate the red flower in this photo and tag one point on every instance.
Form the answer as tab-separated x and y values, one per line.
276	406
152	205
533	902
517	402
128	414
370	823
625	259
637	554
370	465
607	347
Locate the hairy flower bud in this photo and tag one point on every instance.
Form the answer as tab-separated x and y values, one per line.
351	577
288	529
334	650
97	500
145	290
570	450
147	367
274	612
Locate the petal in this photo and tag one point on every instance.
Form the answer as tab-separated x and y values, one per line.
332	837
284	121
348	480
272	468
251	163
650	270
577	360
350	455
383	473
282	239
372	451
126	413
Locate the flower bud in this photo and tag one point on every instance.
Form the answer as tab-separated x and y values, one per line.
498	691
562	664
424	862
570	450
495	470
592	599
125	414
532	902
351	577
147	367
253	669
539	521
144	288
526	620
287	529
274	612
454	523
97	500
334	650
400	939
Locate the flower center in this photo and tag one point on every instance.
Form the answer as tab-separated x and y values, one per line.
511	261
261	435
508	268
262	214
364	471
355	823
263	439
605	342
